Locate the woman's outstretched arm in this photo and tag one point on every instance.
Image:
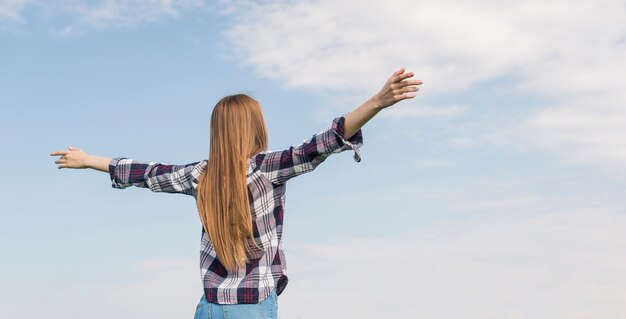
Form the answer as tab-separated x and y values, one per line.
77	158
398	87
126	172
343	134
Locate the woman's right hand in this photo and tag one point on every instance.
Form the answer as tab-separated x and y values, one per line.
398	87
72	158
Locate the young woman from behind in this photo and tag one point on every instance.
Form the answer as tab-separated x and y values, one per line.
240	194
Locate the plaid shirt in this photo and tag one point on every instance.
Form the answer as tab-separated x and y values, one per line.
267	175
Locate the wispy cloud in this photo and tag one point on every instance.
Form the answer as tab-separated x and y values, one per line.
409	111
555	265
167	288
103	13
10	10
587	131
540	261
325	45
427	163
125	13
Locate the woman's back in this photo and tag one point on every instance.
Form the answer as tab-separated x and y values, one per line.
267	174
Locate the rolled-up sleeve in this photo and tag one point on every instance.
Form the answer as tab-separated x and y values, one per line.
280	166
158	177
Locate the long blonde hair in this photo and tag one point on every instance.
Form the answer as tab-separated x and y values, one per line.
238	131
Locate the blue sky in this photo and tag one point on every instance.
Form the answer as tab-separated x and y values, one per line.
499	189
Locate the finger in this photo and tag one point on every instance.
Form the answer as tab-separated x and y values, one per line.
406	96
395	76
401	77
406	89
409	82
56	153
399	71
406	76
405	83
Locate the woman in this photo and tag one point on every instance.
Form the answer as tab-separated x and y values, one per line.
240	194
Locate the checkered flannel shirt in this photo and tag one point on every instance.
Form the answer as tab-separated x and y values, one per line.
267	174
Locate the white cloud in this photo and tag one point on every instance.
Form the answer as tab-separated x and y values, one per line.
429	163
527	255
341	44
408	111
102	13
168	288
159	288
540	260
125	13
351	46
569	52
563	264
10	10
587	131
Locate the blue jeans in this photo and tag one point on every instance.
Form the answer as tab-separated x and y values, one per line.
266	309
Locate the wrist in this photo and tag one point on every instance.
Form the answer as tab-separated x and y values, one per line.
376	103
89	161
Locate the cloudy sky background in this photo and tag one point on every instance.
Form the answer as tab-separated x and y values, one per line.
499	192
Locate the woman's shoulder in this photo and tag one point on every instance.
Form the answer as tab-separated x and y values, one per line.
202	164
255	161
198	168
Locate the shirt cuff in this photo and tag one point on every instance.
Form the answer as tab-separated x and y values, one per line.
114	182
353	143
